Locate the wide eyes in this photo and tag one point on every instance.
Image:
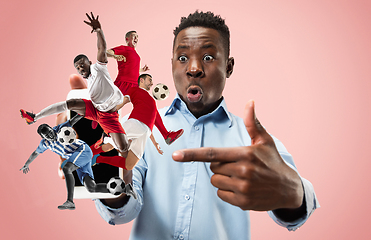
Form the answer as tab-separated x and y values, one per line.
206	58
182	58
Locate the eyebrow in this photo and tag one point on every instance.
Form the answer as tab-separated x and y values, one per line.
210	45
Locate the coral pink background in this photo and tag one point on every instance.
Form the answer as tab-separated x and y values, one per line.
307	64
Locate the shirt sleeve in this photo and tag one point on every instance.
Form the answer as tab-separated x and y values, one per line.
309	194
42	147
118	50
132	208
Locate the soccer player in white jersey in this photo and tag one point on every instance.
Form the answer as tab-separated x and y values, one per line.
106	98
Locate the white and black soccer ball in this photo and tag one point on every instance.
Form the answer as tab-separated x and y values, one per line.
160	91
66	135
116	186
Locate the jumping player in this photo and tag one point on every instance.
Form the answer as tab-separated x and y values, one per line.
106	98
78	157
139	125
128	63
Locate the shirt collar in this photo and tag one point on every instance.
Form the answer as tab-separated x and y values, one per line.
177	103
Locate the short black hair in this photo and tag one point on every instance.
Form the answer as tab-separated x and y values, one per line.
144	75
128	34
41	129
207	20
78	57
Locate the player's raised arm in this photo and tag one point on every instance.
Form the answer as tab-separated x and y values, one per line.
101	43
26	168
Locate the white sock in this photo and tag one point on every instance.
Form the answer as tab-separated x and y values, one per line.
52	109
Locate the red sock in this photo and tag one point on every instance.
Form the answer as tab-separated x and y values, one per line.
116	161
160	126
96	151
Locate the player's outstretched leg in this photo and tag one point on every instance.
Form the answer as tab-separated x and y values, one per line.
121	141
52	109
172	136
160	126
91	186
30	117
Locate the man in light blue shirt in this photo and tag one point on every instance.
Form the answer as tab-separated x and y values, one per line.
224	165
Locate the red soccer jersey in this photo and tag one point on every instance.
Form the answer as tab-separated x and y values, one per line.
127	71
144	106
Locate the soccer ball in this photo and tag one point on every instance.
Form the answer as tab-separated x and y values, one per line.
160	92
116	186
66	135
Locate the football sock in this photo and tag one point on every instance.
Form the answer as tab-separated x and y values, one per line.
96	151
116	161
160	126
70	184
52	109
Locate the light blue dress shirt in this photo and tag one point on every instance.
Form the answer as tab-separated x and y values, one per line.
176	200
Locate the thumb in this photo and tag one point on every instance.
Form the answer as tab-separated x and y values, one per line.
254	128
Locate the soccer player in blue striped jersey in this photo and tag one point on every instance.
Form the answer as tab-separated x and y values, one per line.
78	157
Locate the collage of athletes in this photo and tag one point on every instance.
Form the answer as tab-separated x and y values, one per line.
188	120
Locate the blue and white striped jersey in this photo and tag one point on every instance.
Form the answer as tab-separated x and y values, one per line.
57	147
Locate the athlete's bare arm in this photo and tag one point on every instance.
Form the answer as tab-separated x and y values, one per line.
157	146
126	100
111	53
101	43
26	168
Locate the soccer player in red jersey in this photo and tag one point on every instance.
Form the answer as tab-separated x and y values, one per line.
139	125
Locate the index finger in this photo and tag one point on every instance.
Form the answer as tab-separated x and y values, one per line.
209	154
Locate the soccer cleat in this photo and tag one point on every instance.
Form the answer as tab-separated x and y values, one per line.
130	191
94	160
67	205
30	117
172	136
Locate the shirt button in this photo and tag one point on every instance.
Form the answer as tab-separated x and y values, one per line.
181	237
197	128
186	197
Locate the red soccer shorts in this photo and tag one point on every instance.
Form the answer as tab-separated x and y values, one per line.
108	121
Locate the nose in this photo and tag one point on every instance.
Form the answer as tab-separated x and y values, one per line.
195	69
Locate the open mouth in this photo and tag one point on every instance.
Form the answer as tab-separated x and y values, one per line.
194	94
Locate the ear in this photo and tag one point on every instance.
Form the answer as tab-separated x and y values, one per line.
230	65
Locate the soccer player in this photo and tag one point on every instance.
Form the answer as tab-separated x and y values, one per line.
128	63
139	125
106	98
78	157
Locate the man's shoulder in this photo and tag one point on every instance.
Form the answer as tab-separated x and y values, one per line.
121	47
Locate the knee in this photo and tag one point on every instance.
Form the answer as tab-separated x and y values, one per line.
76	82
124	144
67	169
89	184
90	188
